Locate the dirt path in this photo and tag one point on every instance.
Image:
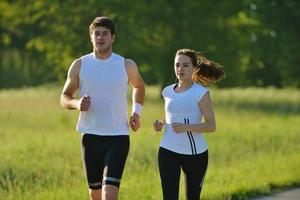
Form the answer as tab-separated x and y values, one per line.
291	194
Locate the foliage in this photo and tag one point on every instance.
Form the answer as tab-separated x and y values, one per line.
257	41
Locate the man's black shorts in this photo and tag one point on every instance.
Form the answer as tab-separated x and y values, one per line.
104	159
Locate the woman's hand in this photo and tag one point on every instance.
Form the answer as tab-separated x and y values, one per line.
179	127
158	125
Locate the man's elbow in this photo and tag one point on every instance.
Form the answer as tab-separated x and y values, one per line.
212	127
62	102
140	88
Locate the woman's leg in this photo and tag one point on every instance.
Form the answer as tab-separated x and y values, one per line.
169	169
194	168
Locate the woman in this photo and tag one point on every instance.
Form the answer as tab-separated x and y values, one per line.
183	145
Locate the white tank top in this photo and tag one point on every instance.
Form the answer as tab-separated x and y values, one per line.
183	108
105	81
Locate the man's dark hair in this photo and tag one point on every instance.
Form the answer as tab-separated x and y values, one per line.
103	22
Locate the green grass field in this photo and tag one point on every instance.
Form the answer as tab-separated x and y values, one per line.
255	149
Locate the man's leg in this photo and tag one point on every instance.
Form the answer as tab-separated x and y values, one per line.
110	192
93	150
114	165
95	194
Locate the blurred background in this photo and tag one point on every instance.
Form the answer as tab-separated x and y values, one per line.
255	149
256	41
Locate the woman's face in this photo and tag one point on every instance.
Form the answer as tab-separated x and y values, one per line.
183	68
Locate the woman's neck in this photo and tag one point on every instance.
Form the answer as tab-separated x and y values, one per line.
184	85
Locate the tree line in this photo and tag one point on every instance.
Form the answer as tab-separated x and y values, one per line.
256	41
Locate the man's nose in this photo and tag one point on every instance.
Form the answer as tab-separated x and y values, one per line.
100	36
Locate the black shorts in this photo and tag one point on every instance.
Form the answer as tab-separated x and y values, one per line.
104	159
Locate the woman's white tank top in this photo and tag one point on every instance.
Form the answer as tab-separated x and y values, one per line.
183	108
105	81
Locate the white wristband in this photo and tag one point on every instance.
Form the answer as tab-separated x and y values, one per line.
136	108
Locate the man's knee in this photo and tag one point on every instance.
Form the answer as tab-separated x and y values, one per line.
110	192
95	194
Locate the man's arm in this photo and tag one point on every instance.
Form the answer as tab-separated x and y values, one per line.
67	99
138	92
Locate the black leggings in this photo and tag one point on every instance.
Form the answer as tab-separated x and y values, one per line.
193	166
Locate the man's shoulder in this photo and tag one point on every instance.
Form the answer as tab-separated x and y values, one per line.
129	63
85	56
115	55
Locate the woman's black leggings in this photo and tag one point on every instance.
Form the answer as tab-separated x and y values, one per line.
193	166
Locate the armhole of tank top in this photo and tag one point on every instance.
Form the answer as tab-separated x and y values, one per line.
167	91
163	93
200	92
80	69
124	67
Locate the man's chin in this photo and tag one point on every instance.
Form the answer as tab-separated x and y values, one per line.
103	50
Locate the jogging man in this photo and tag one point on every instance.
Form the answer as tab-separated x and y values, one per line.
102	78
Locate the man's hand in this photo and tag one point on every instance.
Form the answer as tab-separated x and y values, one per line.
135	122
179	127
84	103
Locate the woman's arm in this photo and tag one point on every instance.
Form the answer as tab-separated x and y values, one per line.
159	124
209	124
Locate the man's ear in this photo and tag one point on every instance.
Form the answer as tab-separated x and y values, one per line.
91	37
113	38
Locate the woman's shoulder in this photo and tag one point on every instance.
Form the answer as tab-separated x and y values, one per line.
199	91
168	89
198	86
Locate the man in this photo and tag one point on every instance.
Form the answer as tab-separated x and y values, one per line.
102	78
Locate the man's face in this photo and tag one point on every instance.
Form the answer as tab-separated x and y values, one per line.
102	39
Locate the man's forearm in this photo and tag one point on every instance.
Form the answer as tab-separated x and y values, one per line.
68	102
138	95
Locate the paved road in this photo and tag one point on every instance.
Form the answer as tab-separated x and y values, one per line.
292	194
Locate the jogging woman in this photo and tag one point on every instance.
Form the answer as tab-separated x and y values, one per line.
183	145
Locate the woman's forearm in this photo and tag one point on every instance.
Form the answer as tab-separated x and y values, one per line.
203	127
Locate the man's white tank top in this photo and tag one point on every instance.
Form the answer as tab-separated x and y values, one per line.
105	81
183	108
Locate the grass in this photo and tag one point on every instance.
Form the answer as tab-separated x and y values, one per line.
254	150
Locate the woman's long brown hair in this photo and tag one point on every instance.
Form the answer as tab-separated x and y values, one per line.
206	71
